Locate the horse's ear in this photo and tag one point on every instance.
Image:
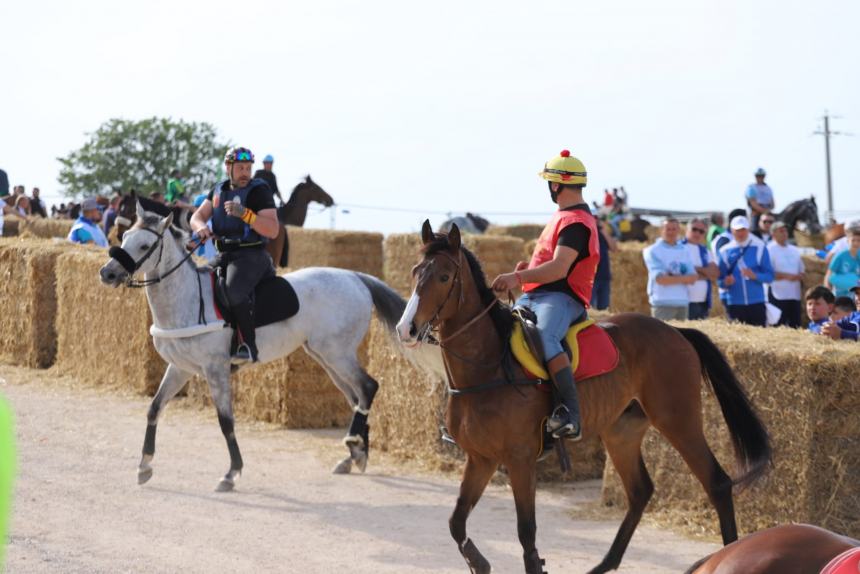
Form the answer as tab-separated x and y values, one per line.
165	223
308	179
427	232
140	211
454	237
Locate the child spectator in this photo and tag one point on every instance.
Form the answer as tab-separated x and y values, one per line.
842	307
843	272
819	305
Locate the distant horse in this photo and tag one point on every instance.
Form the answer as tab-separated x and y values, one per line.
335	308
658	382
785	549
472	223
803	211
295	210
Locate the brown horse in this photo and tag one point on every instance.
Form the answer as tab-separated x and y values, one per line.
498	420
295	210
789	549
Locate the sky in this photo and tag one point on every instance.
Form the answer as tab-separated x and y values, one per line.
447	107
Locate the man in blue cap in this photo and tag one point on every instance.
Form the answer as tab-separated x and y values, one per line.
267	175
759	197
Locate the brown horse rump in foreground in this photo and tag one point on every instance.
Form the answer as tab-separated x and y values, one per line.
787	549
658	382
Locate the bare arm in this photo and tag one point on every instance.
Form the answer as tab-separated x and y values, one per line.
757	207
710	272
552	270
201	216
266	223
676	279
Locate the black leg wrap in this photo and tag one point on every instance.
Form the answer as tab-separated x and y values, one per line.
358	425
534	563
232	446
149	440
476	561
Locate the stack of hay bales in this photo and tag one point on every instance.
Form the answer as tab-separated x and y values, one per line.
355	250
804	239
629	279
102	332
295	391
525	231
807	390
28	287
46	228
405	389
11	225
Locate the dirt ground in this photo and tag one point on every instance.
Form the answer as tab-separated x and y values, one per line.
78	507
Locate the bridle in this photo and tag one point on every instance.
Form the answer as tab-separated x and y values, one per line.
132	266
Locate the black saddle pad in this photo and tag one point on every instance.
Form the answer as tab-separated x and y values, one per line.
274	300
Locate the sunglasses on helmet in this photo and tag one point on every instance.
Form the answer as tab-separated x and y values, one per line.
243	156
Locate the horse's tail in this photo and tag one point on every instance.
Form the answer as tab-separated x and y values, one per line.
388	303
749	436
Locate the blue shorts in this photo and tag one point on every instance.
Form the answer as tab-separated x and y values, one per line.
556	312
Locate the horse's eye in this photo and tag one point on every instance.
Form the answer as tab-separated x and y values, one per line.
443	278
144	247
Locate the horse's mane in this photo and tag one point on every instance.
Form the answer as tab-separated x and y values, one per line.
500	313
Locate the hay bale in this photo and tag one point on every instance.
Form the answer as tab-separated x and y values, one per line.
405	389
525	231
355	250
46	228
102	332
807	389
28	286
629	279
804	239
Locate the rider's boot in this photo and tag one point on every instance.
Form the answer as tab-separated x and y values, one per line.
246	352
565	419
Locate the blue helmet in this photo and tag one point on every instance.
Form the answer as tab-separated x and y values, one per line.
268	159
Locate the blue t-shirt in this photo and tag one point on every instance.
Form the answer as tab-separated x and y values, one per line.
844	272
815	326
761	193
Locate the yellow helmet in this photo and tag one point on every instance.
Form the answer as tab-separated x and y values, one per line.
566	169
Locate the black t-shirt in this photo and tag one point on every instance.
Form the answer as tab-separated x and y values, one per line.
575	236
260	197
268	177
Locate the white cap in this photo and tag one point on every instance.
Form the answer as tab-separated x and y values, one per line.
740	222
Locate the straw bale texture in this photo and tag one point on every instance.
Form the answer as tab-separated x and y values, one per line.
804	239
807	389
102	332
410	408
28	286
355	250
46	228
525	231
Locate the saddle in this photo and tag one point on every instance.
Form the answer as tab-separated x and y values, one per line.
591	350
274	300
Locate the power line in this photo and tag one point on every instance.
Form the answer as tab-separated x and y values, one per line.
437	212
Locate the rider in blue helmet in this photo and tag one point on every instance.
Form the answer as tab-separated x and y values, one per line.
267	175
243	216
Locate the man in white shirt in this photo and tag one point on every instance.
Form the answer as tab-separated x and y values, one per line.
706	269
670	271
788	272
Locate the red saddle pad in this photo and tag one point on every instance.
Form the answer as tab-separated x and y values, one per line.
598	354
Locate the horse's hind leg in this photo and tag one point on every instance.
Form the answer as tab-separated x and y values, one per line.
623	441
359	389
171	383
222	396
523	478
685	434
475	478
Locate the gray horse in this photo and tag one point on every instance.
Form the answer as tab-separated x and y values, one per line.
333	318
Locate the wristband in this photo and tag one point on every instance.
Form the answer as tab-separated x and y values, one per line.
249	217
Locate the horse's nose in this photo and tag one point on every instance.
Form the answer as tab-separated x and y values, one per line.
413	330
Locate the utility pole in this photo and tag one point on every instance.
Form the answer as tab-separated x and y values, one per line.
827	133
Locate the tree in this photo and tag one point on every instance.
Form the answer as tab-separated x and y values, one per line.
124	155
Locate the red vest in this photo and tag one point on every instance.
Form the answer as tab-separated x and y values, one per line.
581	277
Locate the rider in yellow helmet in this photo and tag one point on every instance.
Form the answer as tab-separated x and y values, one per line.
558	281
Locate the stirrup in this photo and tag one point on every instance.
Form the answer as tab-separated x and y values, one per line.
561	425
243	355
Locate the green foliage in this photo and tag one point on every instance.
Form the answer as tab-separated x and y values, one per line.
125	155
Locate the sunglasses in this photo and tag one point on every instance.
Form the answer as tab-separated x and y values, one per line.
697	230
768	220
243	156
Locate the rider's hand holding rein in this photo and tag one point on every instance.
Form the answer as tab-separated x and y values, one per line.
553	270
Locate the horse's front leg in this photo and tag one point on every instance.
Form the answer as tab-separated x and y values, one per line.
222	396
171	383
523	478
476	475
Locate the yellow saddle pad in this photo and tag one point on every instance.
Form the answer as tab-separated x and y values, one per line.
532	364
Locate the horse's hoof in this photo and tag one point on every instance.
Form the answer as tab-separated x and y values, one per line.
143	475
225	485
343	467
361	463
